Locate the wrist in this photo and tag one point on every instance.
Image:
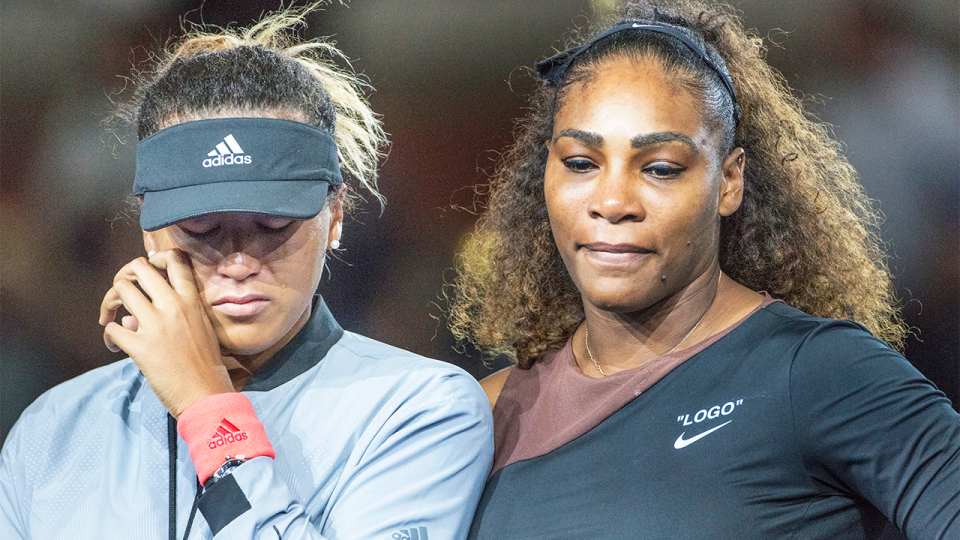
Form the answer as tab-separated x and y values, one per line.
231	463
219	428
202	394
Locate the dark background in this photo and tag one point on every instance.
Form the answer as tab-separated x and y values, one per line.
449	76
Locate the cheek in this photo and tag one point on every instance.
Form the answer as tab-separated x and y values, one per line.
694	228
161	240
562	211
309	252
558	217
559	204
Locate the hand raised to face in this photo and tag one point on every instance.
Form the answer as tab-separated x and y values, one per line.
167	333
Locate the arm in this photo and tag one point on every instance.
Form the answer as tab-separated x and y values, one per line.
11	520
418	475
872	424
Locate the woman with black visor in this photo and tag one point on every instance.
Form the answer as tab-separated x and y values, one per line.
244	410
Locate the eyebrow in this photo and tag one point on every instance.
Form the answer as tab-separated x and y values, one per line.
649	139
639	141
586	137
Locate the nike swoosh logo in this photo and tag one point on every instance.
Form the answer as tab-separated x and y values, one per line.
681	442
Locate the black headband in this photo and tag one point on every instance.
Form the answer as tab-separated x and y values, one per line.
262	165
552	70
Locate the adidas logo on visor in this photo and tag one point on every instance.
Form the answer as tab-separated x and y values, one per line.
227	152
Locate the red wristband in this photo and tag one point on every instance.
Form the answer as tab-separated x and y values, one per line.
221	426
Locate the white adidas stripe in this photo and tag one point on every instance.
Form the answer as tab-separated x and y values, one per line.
228	146
232	143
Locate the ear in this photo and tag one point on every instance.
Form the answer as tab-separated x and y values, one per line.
336	216
731	187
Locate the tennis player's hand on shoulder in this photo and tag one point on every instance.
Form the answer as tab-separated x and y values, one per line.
167	333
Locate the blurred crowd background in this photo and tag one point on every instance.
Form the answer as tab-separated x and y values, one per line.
450	77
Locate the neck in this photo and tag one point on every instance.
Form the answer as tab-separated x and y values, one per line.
619	341
242	367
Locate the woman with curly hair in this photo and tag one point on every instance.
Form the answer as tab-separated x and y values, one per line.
687	274
245	410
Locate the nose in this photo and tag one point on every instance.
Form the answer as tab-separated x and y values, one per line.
240	258
616	198
238	266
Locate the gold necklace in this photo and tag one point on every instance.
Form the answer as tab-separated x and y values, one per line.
586	331
586	342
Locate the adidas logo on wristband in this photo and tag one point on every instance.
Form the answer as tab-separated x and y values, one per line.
227	152
226	433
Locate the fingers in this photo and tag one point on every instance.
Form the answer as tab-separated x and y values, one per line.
151	275
130	323
120	338
108	339
109	306
113	300
164	271
179	273
123	293
167	333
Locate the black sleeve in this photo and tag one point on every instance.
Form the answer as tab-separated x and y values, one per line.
870	423
223	503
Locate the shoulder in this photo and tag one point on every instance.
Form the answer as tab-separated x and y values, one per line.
389	394
88	407
780	327
833	362
493	384
785	318
88	392
364	354
390	370
822	337
810	352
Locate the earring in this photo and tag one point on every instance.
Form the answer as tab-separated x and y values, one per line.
335	243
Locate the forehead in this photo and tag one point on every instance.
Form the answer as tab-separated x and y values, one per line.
633	96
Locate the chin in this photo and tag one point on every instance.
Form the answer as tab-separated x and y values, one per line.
611	304
623	301
243	349
245	342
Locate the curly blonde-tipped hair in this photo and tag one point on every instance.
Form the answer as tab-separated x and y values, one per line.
805	232
190	78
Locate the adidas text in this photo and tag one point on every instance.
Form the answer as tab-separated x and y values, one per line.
227	152
228	159
226	433
220	440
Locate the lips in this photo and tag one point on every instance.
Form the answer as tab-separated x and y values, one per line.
241	306
615	254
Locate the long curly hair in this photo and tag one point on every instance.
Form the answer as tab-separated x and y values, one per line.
262	68
805	232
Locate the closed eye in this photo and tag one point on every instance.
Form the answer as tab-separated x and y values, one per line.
578	164
274	224
199	230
